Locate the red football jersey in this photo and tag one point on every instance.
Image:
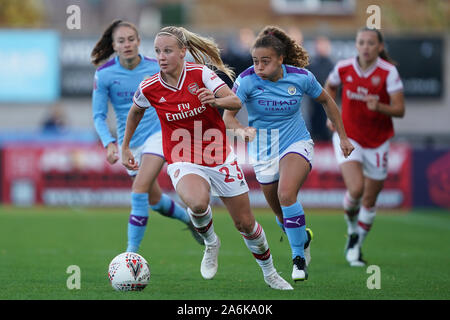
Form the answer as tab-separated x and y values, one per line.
191	132
369	128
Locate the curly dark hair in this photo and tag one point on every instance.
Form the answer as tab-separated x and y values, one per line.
276	38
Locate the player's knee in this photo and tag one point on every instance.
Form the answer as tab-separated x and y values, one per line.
245	225
287	197
199	207
356	192
369	201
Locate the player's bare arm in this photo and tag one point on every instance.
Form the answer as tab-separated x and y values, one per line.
134	117
395	109
231	122
332	111
229	118
332	92
224	98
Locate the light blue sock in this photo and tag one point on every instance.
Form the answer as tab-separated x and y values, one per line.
280	224
294	224
138	220
169	208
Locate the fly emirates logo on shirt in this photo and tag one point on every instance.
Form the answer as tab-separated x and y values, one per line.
185	111
360	94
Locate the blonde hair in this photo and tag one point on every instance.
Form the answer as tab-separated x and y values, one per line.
276	38
204	50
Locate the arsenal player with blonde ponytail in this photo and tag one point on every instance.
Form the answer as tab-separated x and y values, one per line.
186	97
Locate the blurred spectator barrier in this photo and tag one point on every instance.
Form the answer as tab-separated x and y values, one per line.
77	174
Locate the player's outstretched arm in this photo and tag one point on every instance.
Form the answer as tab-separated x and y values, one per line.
332	111
134	117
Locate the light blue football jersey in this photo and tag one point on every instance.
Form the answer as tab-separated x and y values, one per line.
274	108
117	84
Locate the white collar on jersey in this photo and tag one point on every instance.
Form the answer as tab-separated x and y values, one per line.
180	80
366	73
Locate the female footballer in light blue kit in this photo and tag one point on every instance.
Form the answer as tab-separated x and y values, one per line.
117	80
282	153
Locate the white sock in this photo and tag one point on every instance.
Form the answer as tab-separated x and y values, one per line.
257	244
203	223
365	220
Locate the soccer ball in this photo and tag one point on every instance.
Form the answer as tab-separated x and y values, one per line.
129	271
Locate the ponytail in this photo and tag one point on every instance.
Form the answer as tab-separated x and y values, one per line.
103	48
204	50
384	55
277	39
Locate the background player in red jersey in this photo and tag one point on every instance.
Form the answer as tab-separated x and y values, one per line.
372	93
186	97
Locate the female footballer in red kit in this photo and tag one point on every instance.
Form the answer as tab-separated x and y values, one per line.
186	96
372	94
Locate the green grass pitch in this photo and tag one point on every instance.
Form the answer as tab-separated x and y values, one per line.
38	244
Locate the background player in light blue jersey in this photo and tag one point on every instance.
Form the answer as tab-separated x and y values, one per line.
280	148
117	80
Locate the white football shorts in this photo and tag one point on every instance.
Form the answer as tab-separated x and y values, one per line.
153	145
226	180
373	160
268	171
